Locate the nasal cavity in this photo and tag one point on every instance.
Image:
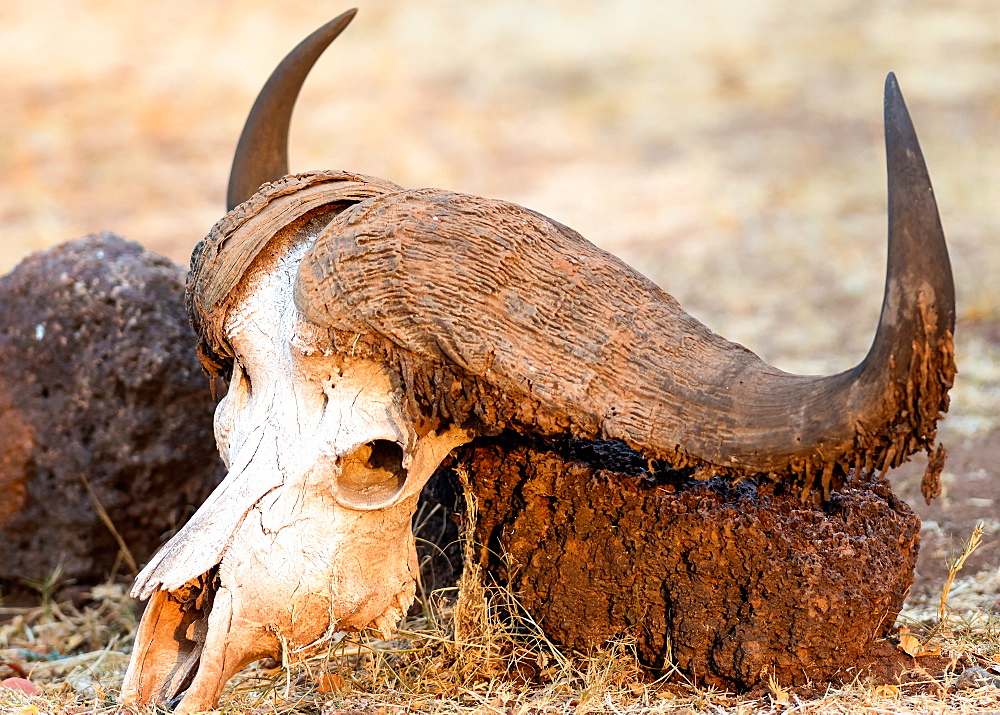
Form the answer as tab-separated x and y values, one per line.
372	475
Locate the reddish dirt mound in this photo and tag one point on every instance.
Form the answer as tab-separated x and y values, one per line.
730	582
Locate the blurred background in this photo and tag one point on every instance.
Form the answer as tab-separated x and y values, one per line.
731	150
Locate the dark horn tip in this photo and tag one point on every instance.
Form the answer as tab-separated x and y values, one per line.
262	152
897	117
919	268
913	211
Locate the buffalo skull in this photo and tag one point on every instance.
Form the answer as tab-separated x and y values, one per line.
367	331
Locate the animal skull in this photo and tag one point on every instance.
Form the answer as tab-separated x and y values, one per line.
324	472
369	330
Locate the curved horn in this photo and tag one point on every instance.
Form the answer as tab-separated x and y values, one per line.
918	279
549	334
262	152
887	407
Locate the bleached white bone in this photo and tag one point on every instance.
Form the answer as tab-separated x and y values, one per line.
309	533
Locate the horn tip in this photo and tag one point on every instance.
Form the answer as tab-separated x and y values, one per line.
337	24
893	95
897	118
262	150
894	102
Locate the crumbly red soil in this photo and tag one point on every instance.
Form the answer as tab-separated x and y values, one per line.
730	582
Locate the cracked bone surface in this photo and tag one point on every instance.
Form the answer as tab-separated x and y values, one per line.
310	531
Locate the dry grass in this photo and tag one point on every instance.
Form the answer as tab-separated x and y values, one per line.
475	650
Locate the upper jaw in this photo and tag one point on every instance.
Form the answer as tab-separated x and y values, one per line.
292	588
299	565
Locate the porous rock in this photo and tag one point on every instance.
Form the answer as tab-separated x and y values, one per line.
102	400
730	583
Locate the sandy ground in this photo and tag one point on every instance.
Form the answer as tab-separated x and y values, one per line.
729	149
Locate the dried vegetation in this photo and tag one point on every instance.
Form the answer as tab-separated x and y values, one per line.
475	650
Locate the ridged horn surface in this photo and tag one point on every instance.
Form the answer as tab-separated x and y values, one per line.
547	333
262	152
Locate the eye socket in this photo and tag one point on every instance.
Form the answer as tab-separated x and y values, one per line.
228	409
240	380
371	475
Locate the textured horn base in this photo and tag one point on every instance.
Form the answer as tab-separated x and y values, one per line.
729	582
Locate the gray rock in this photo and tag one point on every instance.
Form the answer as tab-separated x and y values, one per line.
102	399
